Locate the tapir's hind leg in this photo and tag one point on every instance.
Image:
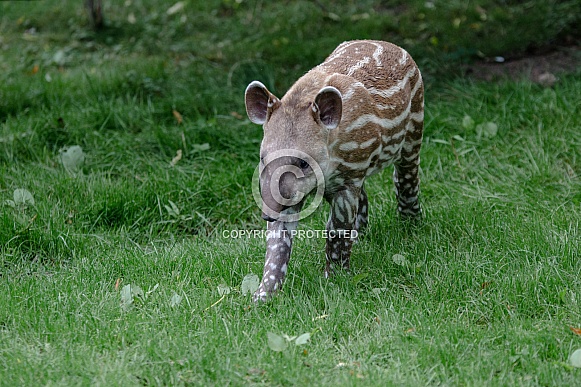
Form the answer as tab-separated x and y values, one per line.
407	188
406	174
362	212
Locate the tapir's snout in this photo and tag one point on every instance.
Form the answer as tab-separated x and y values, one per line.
278	188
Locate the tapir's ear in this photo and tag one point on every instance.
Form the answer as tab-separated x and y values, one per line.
260	103
328	107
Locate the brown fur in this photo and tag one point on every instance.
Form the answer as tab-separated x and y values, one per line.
356	113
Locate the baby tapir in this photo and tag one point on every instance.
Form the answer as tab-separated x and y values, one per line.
359	111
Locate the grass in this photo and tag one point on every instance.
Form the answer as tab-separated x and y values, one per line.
489	281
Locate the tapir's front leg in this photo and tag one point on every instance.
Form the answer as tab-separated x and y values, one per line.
341	228
278	252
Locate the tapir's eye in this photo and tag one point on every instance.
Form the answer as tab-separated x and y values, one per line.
303	165
261	160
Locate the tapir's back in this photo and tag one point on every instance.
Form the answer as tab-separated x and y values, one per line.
382	95
384	69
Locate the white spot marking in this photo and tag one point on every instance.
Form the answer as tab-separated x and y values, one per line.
409	200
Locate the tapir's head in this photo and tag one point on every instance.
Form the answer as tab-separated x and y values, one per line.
293	153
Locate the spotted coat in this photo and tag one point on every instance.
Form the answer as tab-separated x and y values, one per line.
358	112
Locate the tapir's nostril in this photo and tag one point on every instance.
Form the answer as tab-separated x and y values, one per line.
268	218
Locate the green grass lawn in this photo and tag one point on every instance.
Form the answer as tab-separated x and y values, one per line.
483	291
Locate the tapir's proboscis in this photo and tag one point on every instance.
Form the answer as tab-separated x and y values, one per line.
358	112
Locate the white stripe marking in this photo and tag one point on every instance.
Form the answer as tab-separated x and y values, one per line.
358	65
385	107
340	50
389	139
377	54
416	88
417	117
385	123
339	216
390	151
362	165
396	88
409	146
404	57
349	209
367	143
351	91
349	146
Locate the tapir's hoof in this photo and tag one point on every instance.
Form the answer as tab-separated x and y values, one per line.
260	296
